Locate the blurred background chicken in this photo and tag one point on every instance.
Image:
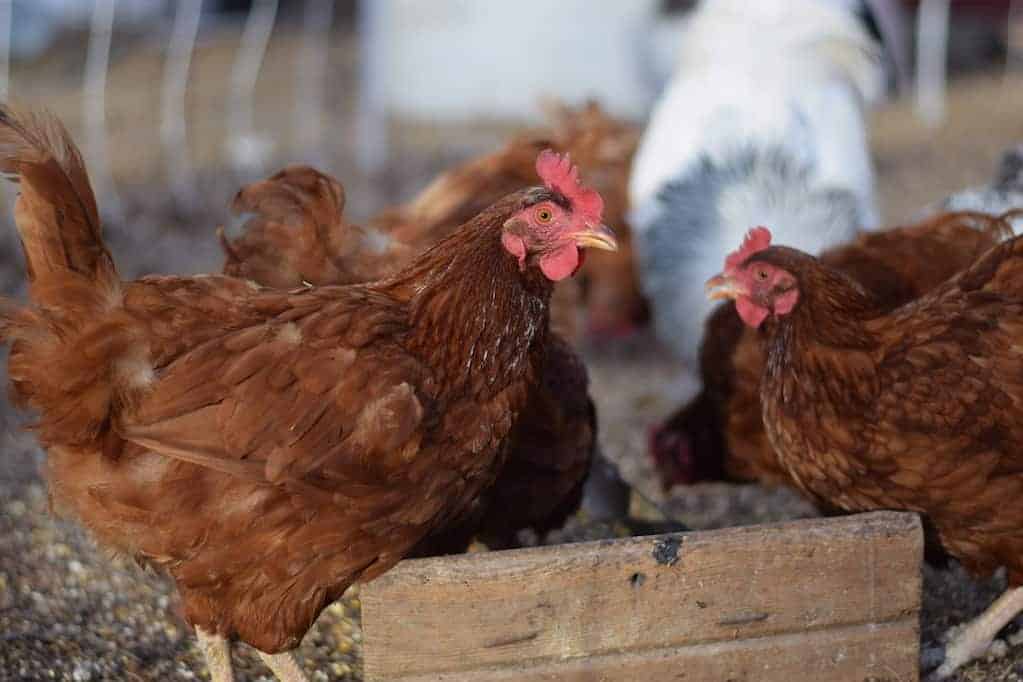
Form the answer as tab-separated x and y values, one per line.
762	122
1004	194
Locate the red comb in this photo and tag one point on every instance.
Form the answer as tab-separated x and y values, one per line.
757	239
559	175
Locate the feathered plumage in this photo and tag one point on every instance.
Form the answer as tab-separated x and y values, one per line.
295	232
719	434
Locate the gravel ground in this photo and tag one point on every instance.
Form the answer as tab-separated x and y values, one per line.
68	612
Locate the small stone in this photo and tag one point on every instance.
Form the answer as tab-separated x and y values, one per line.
341	669
998	649
82	672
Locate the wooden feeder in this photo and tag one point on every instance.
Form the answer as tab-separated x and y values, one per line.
821	600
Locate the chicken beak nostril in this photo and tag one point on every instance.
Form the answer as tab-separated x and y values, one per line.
720	287
597	237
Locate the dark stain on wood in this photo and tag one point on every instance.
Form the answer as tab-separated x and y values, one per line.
509	641
666	550
744	619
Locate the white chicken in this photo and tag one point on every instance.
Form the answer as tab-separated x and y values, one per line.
762	123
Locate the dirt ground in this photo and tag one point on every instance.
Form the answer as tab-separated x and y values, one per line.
69	612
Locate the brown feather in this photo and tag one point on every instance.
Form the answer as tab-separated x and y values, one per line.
553	442
56	211
912	408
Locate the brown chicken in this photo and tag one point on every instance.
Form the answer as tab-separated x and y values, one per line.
297	233
267	449
916	408
719	435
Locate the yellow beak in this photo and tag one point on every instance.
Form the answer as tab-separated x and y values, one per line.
722	286
597	237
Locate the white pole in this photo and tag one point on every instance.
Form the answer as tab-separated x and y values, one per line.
371	143
1014	37
6	9
173	126
311	65
892	24
97	62
9	193
248	151
931	54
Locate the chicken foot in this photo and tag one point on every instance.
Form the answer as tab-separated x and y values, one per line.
973	640
285	666
217	652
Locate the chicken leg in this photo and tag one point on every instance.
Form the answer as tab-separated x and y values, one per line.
973	640
285	666
217	652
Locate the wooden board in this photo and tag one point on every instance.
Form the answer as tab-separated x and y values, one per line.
823	600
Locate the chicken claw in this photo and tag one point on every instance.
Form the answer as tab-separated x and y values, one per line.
285	666
217	652
973	640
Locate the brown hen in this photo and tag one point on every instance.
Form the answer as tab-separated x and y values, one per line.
265	448
915	408
719	434
297	233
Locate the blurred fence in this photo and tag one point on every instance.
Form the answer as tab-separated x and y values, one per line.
176	103
162	89
192	88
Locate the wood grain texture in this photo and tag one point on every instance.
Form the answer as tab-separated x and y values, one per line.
858	653
832	599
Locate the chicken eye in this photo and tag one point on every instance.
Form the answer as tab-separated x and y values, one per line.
762	275
544	215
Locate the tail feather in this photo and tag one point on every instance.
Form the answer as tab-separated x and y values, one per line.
56	210
70	348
